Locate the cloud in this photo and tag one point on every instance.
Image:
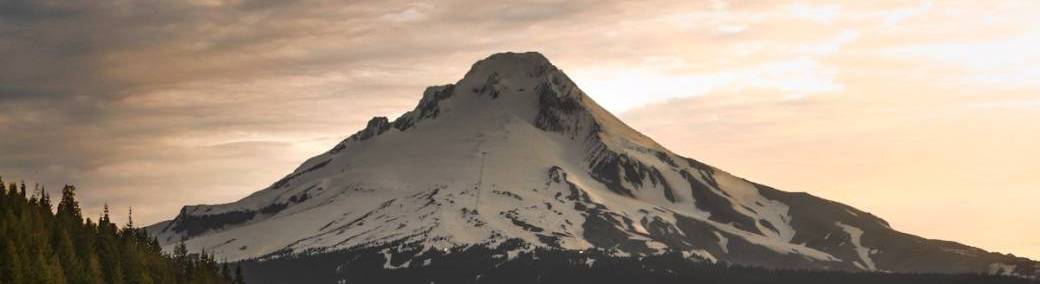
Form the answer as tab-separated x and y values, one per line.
925	120
823	14
118	96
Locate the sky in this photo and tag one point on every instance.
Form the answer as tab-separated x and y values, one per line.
922	112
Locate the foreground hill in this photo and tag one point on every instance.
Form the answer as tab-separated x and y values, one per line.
515	157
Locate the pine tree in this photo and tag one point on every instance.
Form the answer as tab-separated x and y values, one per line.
130	218
12	188
104	220
66	252
57	272
225	272
11	271
239	279
68	207
3	191
86	250
45	201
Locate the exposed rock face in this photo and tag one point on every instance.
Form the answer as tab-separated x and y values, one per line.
515	153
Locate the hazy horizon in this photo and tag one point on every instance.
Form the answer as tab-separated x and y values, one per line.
923	113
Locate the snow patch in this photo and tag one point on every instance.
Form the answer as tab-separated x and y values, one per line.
723	242
1001	269
855	234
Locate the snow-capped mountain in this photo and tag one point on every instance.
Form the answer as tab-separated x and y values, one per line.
516	152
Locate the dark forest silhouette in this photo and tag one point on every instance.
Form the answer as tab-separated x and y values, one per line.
410	263
39	245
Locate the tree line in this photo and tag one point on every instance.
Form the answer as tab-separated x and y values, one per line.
43	244
406	263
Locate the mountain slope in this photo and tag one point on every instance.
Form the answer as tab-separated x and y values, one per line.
516	156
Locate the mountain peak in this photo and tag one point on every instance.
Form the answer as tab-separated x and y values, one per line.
515	58
508	64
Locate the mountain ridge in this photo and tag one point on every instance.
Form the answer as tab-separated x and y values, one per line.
516	151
